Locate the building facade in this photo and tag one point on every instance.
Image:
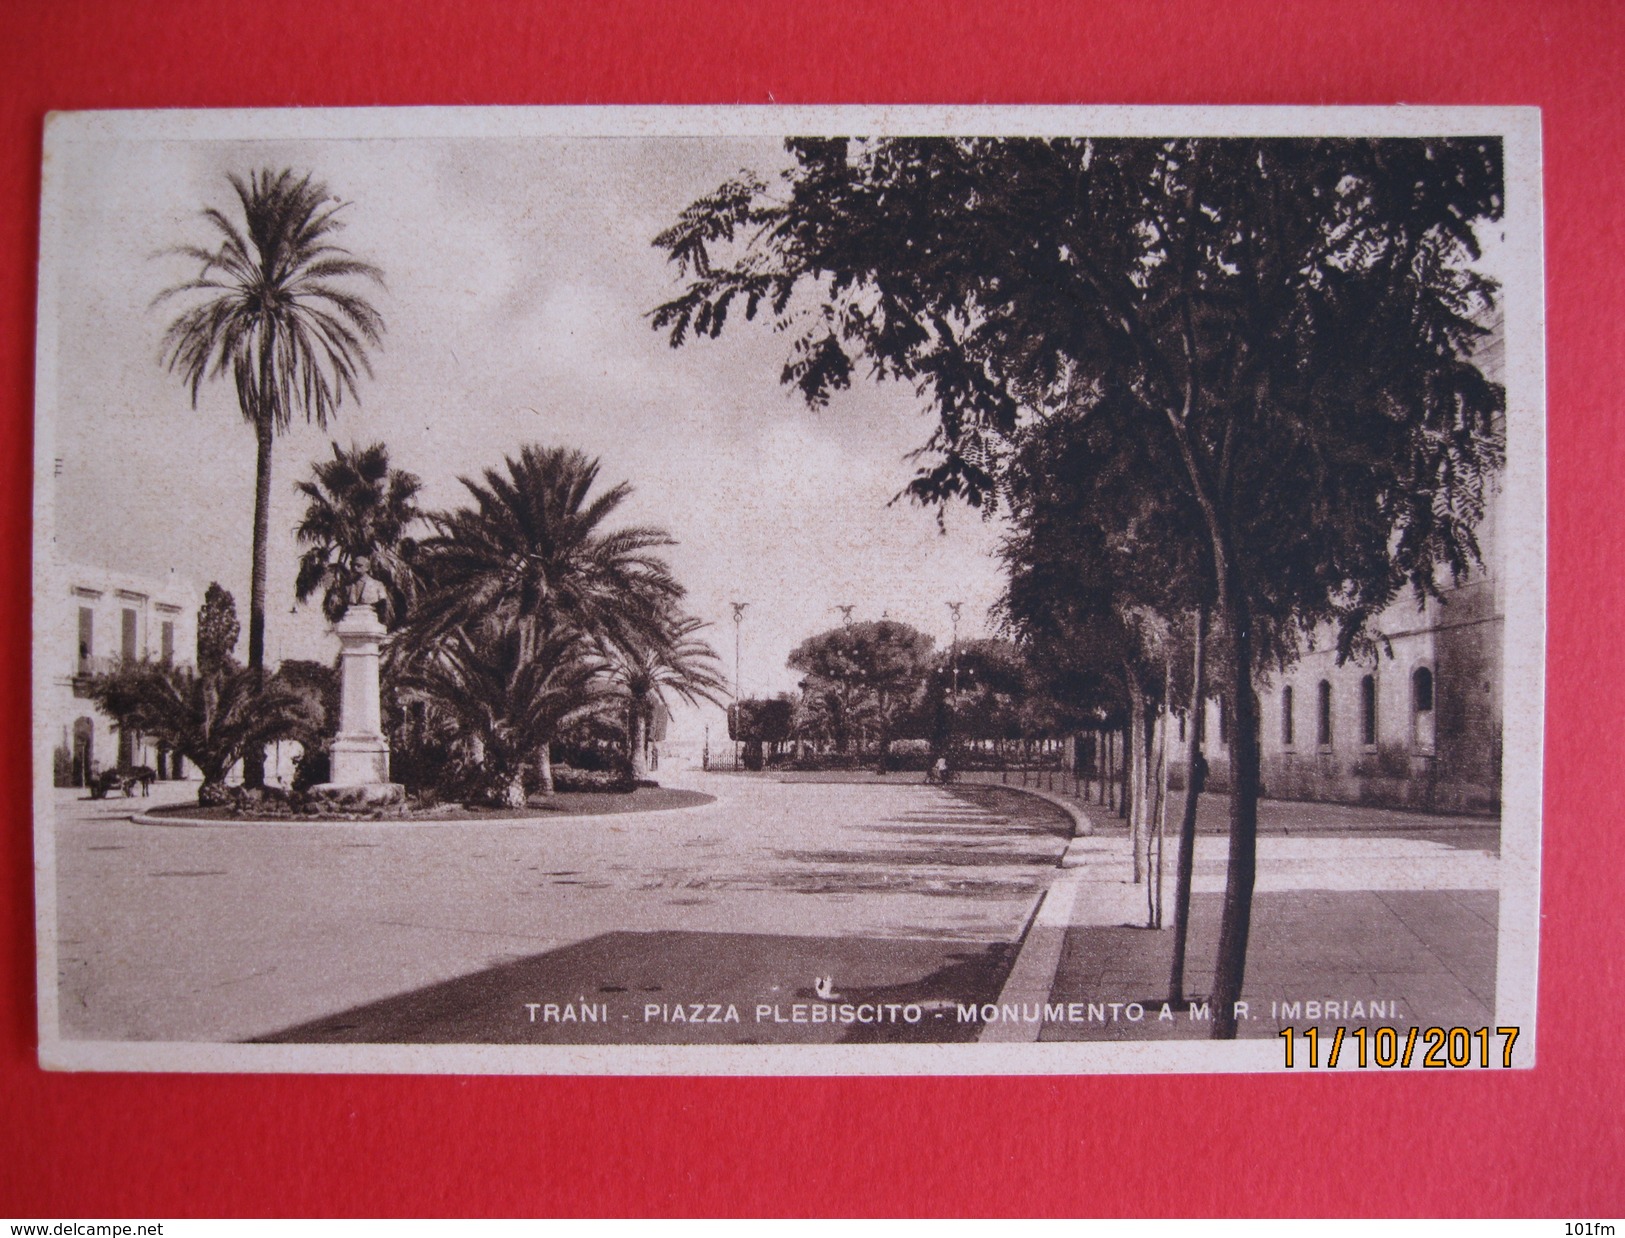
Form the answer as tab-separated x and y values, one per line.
102	617
1416	726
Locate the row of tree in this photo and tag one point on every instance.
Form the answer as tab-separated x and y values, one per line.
867	684
1218	381
518	620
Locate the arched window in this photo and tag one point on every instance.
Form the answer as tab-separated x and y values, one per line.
1368	710
1422	694
1422	690
1325	730
1181	717
1286	716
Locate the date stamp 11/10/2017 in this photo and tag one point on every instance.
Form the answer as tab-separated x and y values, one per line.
1386	1047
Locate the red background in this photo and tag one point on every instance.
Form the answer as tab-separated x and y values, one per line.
1543	1142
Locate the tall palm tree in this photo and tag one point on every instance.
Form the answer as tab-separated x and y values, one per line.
677	664
533	548
532	554
270	306
355	525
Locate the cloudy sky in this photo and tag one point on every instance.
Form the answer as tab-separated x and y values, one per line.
520	273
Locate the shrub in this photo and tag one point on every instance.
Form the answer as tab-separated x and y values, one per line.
422	762
909	754
264	801
568	778
761	721
314	766
968	759
819	762
591	753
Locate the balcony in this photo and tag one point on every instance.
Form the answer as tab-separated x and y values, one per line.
85	669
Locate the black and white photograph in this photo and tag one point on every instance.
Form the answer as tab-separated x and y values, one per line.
805	590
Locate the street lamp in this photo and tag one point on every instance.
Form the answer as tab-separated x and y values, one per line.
848	653
953	659
739	618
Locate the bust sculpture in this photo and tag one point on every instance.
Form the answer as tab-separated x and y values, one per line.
368	590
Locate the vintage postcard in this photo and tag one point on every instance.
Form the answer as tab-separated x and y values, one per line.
790	590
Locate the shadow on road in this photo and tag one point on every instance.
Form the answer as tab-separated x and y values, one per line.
949	849
690	988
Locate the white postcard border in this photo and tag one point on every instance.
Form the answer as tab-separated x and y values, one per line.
1524	653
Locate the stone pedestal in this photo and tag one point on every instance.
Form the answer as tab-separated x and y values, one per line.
360	754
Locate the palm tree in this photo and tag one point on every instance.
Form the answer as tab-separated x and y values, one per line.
355	525
508	697
678	663
532	555
533	550
213	719
268	309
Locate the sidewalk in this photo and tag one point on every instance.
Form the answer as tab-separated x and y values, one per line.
1360	917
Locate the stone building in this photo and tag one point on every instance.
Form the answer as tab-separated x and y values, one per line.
1417	726
99	617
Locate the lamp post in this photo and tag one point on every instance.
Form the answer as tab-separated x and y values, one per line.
846	689
739	618
953	661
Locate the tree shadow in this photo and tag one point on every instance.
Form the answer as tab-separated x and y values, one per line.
689	988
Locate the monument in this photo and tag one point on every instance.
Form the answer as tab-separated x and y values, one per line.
360	754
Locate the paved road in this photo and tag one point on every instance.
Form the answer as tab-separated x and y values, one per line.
623	929
453	932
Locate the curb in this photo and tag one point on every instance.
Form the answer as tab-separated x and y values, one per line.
1032	976
1081	823
397	823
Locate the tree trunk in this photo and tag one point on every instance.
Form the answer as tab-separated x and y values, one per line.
1100	766
264	430
544	769
1187	823
1109	789
1165	721
1231	966
639	756
1134	758
1143	806
1124	807
212	792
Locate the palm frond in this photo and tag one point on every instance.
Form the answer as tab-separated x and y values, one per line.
261	315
